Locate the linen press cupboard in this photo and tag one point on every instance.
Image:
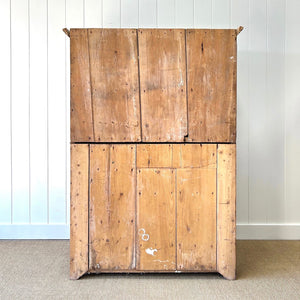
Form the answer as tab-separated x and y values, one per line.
153	154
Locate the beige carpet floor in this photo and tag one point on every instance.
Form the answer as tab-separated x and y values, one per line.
39	270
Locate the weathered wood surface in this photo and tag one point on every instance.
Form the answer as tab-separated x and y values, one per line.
79	210
196	219
154	155
112	207
82	127
211	75
156	246
194	155
115	84
163	84
226	217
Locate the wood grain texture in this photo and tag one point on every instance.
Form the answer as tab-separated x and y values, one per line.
211	76
115	85
79	210
154	156
82	127
112	207
194	155
156	219
226	216
196	219
163	84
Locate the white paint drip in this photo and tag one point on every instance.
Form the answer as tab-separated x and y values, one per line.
231	57
151	251
162	261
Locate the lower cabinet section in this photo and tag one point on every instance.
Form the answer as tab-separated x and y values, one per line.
152	208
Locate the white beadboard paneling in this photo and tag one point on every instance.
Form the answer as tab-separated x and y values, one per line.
129	13
258	154
184	13
221	10
147	13
292	112
240	17
34	111
166	14
203	13
20	111
38	111
56	112
5	126
111	13
275	109
92	13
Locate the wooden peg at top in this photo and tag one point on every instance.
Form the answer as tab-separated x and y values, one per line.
239	30
66	31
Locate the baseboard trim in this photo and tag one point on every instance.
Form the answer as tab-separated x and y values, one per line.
39	231
268	231
62	231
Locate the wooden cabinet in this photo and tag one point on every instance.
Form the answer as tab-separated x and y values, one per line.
153	151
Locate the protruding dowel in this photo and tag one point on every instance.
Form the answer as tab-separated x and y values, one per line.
66	31
239	30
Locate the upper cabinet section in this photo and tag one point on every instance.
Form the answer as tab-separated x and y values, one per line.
153	85
211	76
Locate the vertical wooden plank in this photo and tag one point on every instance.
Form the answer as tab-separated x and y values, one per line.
156	219
211	71
114	77
92	13
5	114
163	84
74	18
112	207
129	14
291	205
20	111
240	16
221	13
111	13
258	173
82	126
79	210
166	14
147	14
184	13
274	107
226	217
196	219
154	156
38	111
203	14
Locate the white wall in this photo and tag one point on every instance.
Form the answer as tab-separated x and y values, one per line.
34	105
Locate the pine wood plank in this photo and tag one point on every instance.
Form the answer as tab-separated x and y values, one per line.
154	155
82	128
211	75
226	217
115	85
112	207
163	84
79	210
194	155
156	219
196	219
